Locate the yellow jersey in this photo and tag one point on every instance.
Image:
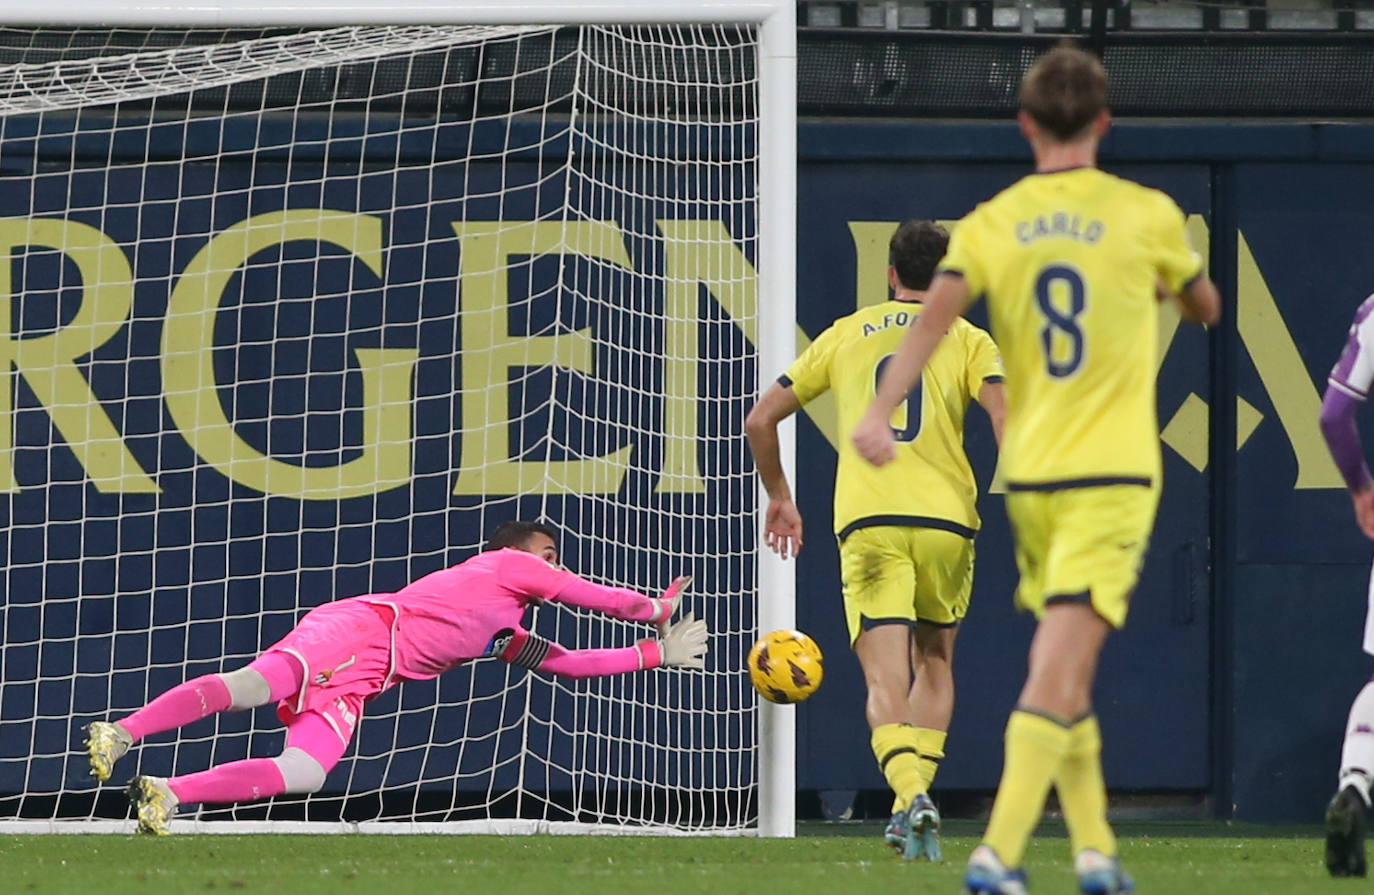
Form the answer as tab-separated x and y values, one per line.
930	484
1068	262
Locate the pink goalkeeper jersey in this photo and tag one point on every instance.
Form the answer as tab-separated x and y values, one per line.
452	616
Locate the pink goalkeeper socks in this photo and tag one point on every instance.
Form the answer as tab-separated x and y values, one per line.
180	705
237	781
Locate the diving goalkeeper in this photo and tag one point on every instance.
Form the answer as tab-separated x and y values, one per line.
344	653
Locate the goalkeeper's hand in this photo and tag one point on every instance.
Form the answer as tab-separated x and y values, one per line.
668	603
684	643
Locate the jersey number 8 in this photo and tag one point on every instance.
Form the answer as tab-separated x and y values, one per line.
1060	364
912	406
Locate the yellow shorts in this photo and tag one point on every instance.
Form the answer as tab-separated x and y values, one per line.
1081	545
904	574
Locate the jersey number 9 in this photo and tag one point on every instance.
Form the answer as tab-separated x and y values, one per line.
912	406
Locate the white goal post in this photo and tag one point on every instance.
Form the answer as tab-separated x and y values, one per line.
607	729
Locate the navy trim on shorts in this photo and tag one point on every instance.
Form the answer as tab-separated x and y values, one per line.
868	624
1082	598
785	381
1092	482
909	522
994	379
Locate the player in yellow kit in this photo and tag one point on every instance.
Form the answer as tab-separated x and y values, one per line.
905	531
1071	261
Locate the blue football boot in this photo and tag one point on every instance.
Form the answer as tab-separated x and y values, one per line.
1101	875
987	875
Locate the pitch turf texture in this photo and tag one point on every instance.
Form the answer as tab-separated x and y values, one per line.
1168	858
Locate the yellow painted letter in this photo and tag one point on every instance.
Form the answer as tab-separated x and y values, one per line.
48	362
188	370
699	253
490	351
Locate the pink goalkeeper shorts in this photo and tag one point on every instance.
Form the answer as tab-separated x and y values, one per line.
345	650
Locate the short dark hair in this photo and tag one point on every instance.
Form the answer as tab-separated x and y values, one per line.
516	533
1065	90
915	251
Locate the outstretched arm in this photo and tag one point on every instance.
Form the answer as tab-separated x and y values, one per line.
684	644
527	574
1198	301
783	522
623	603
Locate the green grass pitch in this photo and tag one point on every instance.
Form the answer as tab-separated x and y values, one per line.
830	859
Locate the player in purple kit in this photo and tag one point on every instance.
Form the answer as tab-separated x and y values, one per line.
344	653
1347	388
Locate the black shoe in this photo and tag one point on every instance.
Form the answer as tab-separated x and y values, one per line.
1345	834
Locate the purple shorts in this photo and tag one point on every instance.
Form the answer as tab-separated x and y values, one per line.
345	649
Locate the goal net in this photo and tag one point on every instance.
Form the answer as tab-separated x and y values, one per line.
297	314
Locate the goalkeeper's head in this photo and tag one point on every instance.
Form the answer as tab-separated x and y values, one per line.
1064	97
531	537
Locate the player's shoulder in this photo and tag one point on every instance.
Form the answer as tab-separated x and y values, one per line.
965	331
854	322
492	560
970	335
1155	200
516	556
989	207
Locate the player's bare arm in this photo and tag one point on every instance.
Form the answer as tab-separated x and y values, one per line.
783	522
945	301
992	397
1198	302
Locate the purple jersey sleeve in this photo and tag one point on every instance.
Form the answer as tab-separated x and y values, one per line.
1349	385
1343	437
1354	370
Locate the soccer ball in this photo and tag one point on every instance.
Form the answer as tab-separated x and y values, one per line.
785	666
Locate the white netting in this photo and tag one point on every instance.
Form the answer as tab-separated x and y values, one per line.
297	315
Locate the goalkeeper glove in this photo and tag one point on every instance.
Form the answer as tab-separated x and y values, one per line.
668	603
684	643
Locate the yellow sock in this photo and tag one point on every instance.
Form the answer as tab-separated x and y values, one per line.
1082	792
894	746
931	744
1035	749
